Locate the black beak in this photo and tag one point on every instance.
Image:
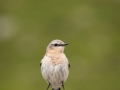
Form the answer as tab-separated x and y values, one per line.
65	44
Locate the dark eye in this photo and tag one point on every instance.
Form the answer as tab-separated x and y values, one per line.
56	44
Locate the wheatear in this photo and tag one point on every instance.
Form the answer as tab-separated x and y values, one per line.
55	65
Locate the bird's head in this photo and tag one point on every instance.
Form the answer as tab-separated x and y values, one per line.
56	46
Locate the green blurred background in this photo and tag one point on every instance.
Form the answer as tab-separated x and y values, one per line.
92	27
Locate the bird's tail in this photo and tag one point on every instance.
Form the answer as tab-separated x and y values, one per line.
56	89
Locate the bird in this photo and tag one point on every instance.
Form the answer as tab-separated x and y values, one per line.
55	65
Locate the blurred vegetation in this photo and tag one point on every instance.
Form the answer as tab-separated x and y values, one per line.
91	27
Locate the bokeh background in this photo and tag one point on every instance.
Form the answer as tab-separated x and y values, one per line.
92	27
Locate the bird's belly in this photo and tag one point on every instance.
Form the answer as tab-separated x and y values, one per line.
55	74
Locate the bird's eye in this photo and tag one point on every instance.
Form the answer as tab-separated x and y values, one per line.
56	44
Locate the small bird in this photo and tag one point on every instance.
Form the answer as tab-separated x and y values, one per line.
55	65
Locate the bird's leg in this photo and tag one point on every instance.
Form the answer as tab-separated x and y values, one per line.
63	86
48	86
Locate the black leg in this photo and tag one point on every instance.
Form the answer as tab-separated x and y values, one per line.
63	86
48	86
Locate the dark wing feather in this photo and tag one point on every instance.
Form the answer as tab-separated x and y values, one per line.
68	65
40	64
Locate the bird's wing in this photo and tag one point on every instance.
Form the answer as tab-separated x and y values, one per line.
40	64
69	66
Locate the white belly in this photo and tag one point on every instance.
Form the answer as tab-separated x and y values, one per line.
55	74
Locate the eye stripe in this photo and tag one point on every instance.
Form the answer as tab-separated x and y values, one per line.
56	44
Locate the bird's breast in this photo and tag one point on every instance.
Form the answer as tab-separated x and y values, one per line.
57	59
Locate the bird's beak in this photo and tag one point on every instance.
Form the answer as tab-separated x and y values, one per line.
65	44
